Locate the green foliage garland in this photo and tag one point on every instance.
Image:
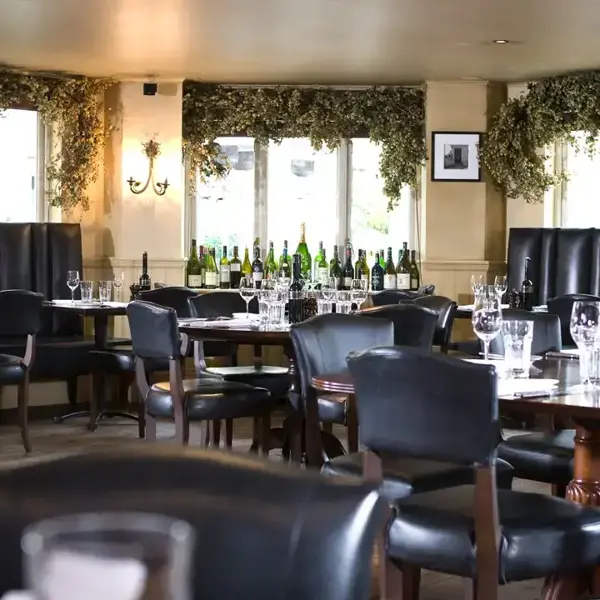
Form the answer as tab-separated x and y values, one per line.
392	116
72	105
554	108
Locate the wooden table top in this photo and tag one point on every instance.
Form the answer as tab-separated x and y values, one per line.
88	309
231	331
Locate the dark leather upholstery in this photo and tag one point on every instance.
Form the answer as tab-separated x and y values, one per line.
279	532
171	296
122	360
434	407
405	476
322	344
561	306
219	304
413	325
541	456
546	331
392	297
446	312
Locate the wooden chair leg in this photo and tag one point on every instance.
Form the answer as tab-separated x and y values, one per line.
390	578
565	587
125	381
23	402
216	434
150	427
411	582
256	435
229	433
141	410
265	434
208	434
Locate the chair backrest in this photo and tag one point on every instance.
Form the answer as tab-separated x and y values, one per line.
427	290
219	304
414	403
562	307
392	297
154	330
171	296
413	325
322	343
20	313
298	536
546	331
446	311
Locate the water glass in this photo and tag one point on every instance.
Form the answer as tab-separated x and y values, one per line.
487	317
87	291
104	291
73	282
360	291
584	328
247	291
343	301
500	285
266	297
121	556
517	337
326	296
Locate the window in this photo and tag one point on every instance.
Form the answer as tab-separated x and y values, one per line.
19	165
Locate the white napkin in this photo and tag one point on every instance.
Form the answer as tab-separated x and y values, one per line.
18	596
67	575
515	387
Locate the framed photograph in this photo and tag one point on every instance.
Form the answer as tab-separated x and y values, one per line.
454	156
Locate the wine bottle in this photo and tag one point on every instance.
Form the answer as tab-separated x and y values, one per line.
382	258
358	265
399	263
348	270
296	299
145	281
361	271
202	259
246	265
377	275
218	266
365	268
225	270
322	272
335	267
302	250
403	270
317	261
527	288
192	270
257	267
210	277
415	274
285	267
271	266
389	276
235	269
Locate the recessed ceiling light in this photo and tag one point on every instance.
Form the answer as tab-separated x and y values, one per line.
500	41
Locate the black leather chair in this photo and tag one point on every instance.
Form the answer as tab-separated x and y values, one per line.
413	325
561	306
446	311
437	408
279	531
155	336
20	317
321	345
393	297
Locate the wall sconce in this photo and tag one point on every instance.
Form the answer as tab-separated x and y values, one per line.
150	149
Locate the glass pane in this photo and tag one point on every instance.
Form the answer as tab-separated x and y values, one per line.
18	165
302	188
225	207
372	227
581	207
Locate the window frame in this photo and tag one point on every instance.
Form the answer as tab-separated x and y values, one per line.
344	200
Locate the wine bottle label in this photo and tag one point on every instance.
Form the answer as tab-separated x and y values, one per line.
210	279
348	282
337	283
403	281
414	284
194	281
375	282
389	282
364	277
322	274
235	267
257	275
224	273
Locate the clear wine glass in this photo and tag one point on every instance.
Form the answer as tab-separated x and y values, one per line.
487	317
73	283
247	292
584	328
118	283
500	285
477	283
360	291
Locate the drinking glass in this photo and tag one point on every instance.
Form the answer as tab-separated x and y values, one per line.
360	290
517	337
104	291
118	283
265	299
343	301
73	283
487	317
121	556
477	283
247	292
585	318
500	285
87	291
326	295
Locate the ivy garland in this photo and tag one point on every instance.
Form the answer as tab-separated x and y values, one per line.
392	116
550	112
73	106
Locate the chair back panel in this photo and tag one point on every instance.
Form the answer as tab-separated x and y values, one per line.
154	330
172	296
393	297
446	312
424	405
413	325
15	256
20	313
573	251
219	304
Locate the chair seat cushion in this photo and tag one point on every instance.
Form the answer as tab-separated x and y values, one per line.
332	408
539	456
210	399
540	534
11	369
275	379
405	476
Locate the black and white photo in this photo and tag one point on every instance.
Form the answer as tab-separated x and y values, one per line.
454	156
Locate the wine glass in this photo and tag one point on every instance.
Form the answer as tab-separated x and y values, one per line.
500	285
477	283
247	292
118	285
487	317
359	291
584	328
73	283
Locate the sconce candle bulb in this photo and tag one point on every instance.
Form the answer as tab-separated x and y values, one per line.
151	149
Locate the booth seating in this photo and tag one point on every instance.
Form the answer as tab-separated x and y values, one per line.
36	257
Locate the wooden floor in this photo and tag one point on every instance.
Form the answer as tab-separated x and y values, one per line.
52	441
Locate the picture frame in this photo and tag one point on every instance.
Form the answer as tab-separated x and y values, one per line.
455	156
